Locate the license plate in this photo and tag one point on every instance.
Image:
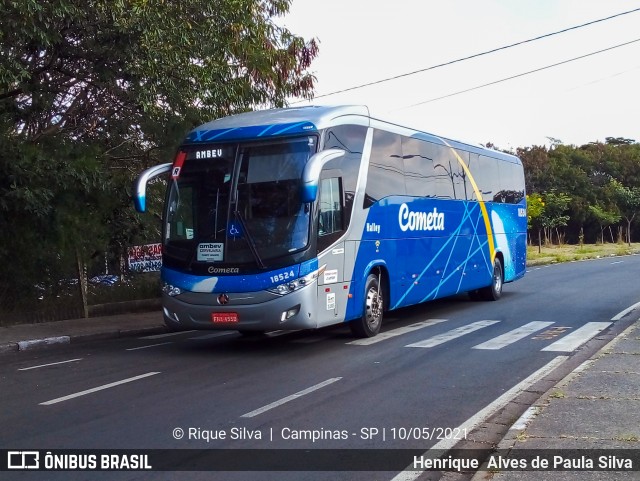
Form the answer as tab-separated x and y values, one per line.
224	317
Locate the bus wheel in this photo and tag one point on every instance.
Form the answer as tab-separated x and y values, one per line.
369	324
494	291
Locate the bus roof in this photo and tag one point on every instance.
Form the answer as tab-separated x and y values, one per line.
298	120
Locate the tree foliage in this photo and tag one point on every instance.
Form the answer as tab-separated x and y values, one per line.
628	202
535	212
604	218
93	91
601	180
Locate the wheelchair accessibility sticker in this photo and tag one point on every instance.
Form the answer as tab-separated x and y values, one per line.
234	230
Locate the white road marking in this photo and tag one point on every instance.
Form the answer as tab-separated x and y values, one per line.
513	336
452	334
577	338
95	389
148	346
396	332
290	398
50	364
168	334
410	474
617	262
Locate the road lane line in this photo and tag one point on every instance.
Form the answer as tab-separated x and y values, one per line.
50	364
577	338
411	474
95	389
290	398
148	346
168	334
396	332
452	334
513	336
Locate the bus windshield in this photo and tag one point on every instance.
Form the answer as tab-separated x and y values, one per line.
238	204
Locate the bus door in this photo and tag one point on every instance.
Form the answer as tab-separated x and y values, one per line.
332	295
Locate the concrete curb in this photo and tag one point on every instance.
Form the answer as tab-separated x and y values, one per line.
33	344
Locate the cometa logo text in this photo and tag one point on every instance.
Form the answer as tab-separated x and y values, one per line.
420	220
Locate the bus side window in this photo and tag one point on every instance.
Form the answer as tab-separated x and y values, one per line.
330	218
330	206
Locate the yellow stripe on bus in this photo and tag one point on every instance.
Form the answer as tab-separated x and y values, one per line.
483	207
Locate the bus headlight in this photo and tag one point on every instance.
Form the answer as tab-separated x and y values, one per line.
292	286
170	290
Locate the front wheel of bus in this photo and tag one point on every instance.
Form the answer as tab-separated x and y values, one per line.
494	291
369	324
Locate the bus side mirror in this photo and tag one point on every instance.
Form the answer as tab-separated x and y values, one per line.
311	172
140	185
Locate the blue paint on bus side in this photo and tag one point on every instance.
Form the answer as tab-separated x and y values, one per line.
509	223
436	248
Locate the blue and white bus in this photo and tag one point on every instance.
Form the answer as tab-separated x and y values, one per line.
301	218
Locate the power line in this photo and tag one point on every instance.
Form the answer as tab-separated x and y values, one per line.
487	52
521	74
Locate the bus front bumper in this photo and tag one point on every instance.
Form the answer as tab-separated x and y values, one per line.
246	311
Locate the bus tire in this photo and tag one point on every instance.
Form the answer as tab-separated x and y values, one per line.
494	291
369	324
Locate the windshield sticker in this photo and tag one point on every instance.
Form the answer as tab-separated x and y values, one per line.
211	251
331	301
234	230
331	276
177	165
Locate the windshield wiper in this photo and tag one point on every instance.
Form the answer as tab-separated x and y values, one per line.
250	241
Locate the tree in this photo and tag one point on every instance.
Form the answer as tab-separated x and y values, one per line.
535	161
553	217
535	212
604	218
93	91
120	71
619	141
628	199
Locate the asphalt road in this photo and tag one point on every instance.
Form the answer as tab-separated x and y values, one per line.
435	371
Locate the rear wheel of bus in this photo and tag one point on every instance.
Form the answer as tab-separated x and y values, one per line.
494	291
369	324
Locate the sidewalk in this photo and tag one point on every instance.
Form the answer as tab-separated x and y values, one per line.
32	336
596	407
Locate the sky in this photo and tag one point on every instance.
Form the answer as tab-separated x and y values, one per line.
576	103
